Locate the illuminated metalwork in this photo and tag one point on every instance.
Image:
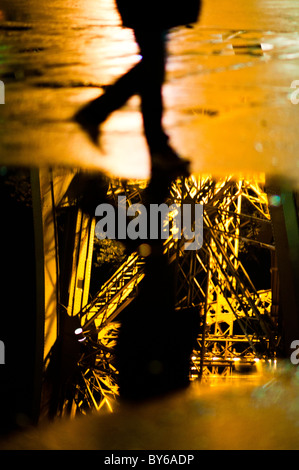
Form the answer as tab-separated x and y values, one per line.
98	380
96	385
237	327
236	318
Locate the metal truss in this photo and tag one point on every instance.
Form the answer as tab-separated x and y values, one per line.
96	385
237	326
236	322
98	380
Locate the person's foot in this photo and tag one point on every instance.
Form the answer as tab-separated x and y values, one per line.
167	160
88	123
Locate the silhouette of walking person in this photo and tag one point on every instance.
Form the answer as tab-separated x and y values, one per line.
150	22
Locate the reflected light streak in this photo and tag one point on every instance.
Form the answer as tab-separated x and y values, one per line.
110	49
108	53
266	47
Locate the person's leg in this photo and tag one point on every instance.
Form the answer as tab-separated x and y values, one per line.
146	78
152	44
115	96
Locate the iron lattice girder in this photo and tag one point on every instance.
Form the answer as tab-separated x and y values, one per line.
222	222
245	297
202	276
111	298
218	250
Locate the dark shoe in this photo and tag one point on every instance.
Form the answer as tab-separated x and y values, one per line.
89	124
168	161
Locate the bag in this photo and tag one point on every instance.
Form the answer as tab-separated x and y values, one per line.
158	14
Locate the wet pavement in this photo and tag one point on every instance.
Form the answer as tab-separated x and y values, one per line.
228	94
256	412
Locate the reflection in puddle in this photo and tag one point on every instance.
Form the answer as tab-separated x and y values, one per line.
98	283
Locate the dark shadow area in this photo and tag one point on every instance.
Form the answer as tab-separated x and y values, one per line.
156	340
20	376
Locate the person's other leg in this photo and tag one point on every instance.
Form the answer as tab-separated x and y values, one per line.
152	44
153	49
115	96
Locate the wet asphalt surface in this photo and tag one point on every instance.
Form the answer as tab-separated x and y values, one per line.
228	93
